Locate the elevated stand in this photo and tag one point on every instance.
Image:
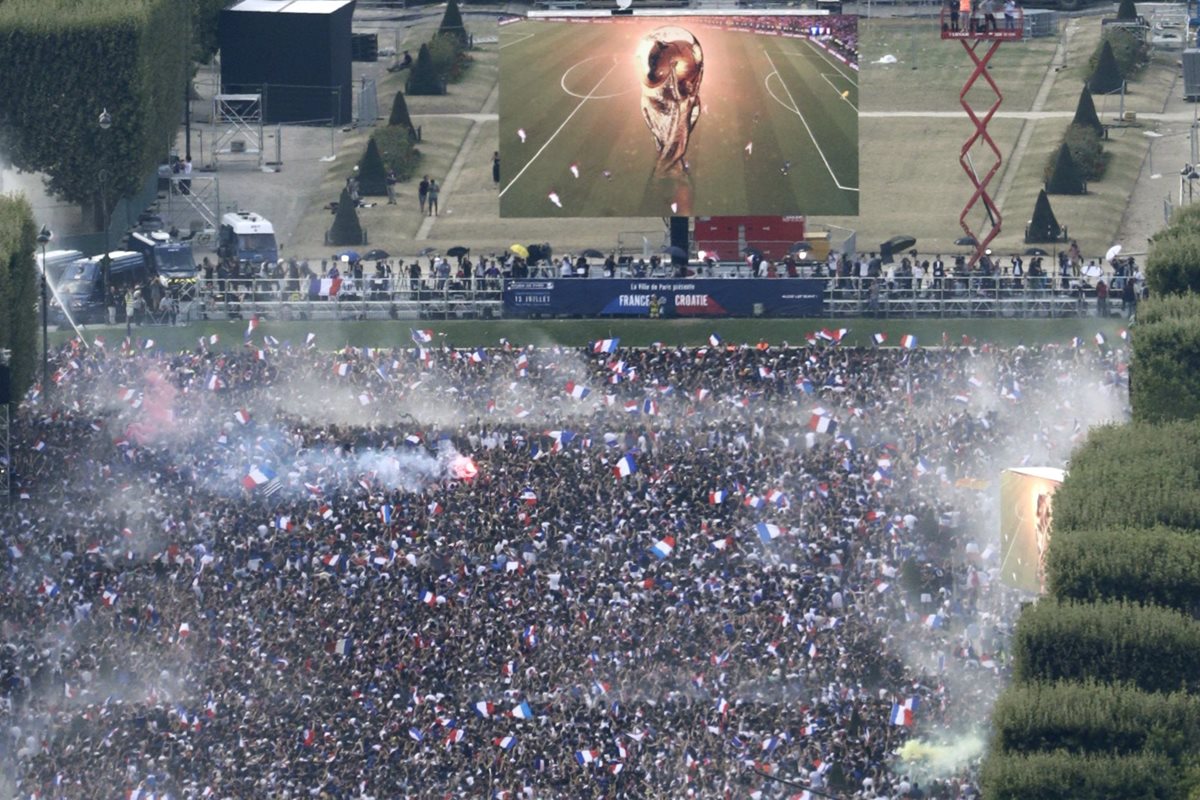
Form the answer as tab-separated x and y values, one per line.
981	38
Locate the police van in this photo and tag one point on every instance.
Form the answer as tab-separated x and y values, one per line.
170	259
248	237
81	287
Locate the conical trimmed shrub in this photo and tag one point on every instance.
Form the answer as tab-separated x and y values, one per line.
1043	227
1085	112
1065	177
1106	78
424	79
452	24
346	229
1127	11
400	115
372	174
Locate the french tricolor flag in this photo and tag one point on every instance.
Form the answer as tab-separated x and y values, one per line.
242	416
215	383
109	598
577	391
879	338
505	742
585	757
717	497
284	523
428	598
342	647
768	532
258	476
606	346
523	711
663	547
822	424
908	341
902	713
477	357
485	709
421	335
385	514
251	326
625	467
714	339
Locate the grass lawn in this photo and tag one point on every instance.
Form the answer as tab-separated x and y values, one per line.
633	333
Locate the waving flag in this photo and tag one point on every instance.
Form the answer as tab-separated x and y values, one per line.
717	497
768	532
422	335
577	391
485	709
251	326
258	476
908	341
663	547
879	338
505	742
902	713
625	467
606	346
822	424
242	416
585	757
523	711
714	339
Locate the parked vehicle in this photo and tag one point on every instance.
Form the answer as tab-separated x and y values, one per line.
82	288
170	259
248	237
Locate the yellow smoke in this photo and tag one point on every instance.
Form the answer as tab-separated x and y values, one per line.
940	759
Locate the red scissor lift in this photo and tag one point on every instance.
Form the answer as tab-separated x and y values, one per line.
981	38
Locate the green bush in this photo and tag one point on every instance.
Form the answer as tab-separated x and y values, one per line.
1148	647
19	289
1063	175
1173	265
1185	219
1063	776
452	26
1132	476
372	175
1127	11
1166	366
424	79
449	62
64	62
1085	113
1169	306
1089	717
346	229
1043	225
397	150
1129	54
400	116
1155	565
1105	75
1086	151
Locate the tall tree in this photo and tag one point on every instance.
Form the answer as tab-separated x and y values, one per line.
452	24
372	174
1085	112
18	291
424	78
399	115
346	228
1065	177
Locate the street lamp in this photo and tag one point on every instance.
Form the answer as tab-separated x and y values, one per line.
105	122
43	238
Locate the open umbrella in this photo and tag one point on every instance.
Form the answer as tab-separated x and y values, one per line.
348	255
801	247
592	253
458	250
1113	252
674	252
898	244
520	250
376	255
427	251
1035	251
967	241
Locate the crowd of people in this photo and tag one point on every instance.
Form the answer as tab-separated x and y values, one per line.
285	571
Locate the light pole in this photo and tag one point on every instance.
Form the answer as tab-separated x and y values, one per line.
105	122
43	238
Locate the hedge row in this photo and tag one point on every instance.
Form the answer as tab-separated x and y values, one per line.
1063	776
1170	306
1157	565
19	288
64	62
1166	383
1089	717
1133	476
1147	647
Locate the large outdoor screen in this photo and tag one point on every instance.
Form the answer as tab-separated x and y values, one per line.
688	115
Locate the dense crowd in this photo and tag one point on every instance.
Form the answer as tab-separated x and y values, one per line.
427	572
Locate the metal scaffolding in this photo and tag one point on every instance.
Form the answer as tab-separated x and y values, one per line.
194	202
237	128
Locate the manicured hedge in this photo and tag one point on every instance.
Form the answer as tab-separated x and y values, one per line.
1173	266
1156	565
64	62
1063	776
372	174
1089	717
1166	384
1136	475
1171	306
1148	647
346	228
397	150
19	289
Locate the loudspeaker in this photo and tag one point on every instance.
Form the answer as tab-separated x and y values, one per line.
679	237
5	385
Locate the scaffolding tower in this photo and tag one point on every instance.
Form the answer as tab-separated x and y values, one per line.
237	121
194	202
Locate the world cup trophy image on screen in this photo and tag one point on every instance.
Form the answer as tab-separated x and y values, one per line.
672	66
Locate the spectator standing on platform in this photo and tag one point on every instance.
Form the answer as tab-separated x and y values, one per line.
1010	15
1101	298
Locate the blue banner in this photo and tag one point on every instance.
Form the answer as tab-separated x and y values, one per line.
652	297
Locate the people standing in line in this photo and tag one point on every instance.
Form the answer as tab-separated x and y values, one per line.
434	189
423	192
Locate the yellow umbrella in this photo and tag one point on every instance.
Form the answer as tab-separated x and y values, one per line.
520	250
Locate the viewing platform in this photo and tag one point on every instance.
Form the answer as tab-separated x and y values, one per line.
979	25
